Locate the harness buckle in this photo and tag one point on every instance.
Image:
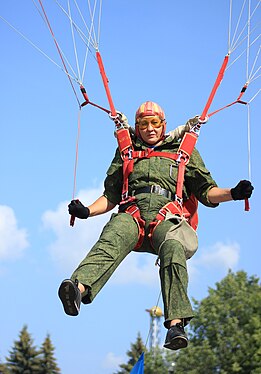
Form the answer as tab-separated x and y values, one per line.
124	196
130	151
179	200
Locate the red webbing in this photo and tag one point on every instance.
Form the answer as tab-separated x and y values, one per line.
215	87
180	178
105	83
124	139
237	101
188	143
151	153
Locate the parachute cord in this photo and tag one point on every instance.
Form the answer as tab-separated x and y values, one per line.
73	39
89	42
249	142
242	53
248	41
59	51
238	42
92	14
36	47
251	74
233	43
76	153
99	22
230	26
150	329
258	92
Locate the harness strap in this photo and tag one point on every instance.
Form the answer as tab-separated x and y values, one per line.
176	207
132	208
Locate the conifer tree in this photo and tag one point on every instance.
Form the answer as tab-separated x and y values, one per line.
24	357
134	353
48	361
4	369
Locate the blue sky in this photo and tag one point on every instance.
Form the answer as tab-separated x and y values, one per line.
169	52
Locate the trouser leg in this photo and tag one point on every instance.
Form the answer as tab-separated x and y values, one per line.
173	276
116	241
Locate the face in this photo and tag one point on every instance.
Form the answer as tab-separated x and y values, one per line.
150	129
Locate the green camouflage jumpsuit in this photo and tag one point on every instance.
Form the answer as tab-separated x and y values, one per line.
173	242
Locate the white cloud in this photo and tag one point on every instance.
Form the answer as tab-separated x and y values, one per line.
13	240
72	244
112	361
218	257
137	268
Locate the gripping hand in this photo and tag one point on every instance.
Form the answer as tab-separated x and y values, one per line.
243	190
77	209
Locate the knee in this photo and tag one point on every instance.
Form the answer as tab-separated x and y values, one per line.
172	252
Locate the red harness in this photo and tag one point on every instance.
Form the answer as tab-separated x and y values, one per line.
188	209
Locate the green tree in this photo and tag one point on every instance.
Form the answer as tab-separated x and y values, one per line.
24	357
3	369
157	360
225	335
48	361
134	353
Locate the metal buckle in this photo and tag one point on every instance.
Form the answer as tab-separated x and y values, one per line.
156	189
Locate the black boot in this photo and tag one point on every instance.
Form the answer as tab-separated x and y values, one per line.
176	337
70	296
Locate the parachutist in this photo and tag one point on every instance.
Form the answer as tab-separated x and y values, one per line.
153	216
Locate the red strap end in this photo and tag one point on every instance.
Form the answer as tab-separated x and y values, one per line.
72	219
247	206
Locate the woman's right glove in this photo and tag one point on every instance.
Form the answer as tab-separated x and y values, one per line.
77	209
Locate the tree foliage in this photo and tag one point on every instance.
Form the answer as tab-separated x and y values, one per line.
134	353
225	335
25	358
48	361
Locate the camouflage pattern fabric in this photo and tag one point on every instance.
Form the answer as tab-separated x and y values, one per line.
172	241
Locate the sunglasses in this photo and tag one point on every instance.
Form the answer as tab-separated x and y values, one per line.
154	122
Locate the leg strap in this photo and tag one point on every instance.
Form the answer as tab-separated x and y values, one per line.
132	208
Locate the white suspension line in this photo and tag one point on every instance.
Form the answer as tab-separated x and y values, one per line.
89	30
237	25
99	22
229	25
241	54
235	44
254	96
38	49
253	77
80	32
73	39
248	41
92	29
251	74
85	59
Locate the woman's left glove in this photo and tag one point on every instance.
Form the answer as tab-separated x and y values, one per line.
243	190
77	209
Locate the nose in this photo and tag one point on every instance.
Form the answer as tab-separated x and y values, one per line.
150	127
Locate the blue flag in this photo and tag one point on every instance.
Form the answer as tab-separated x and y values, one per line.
138	368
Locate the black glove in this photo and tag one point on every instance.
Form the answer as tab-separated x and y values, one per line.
77	209
243	190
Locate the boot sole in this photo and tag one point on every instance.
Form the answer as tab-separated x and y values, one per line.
68	297
177	343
